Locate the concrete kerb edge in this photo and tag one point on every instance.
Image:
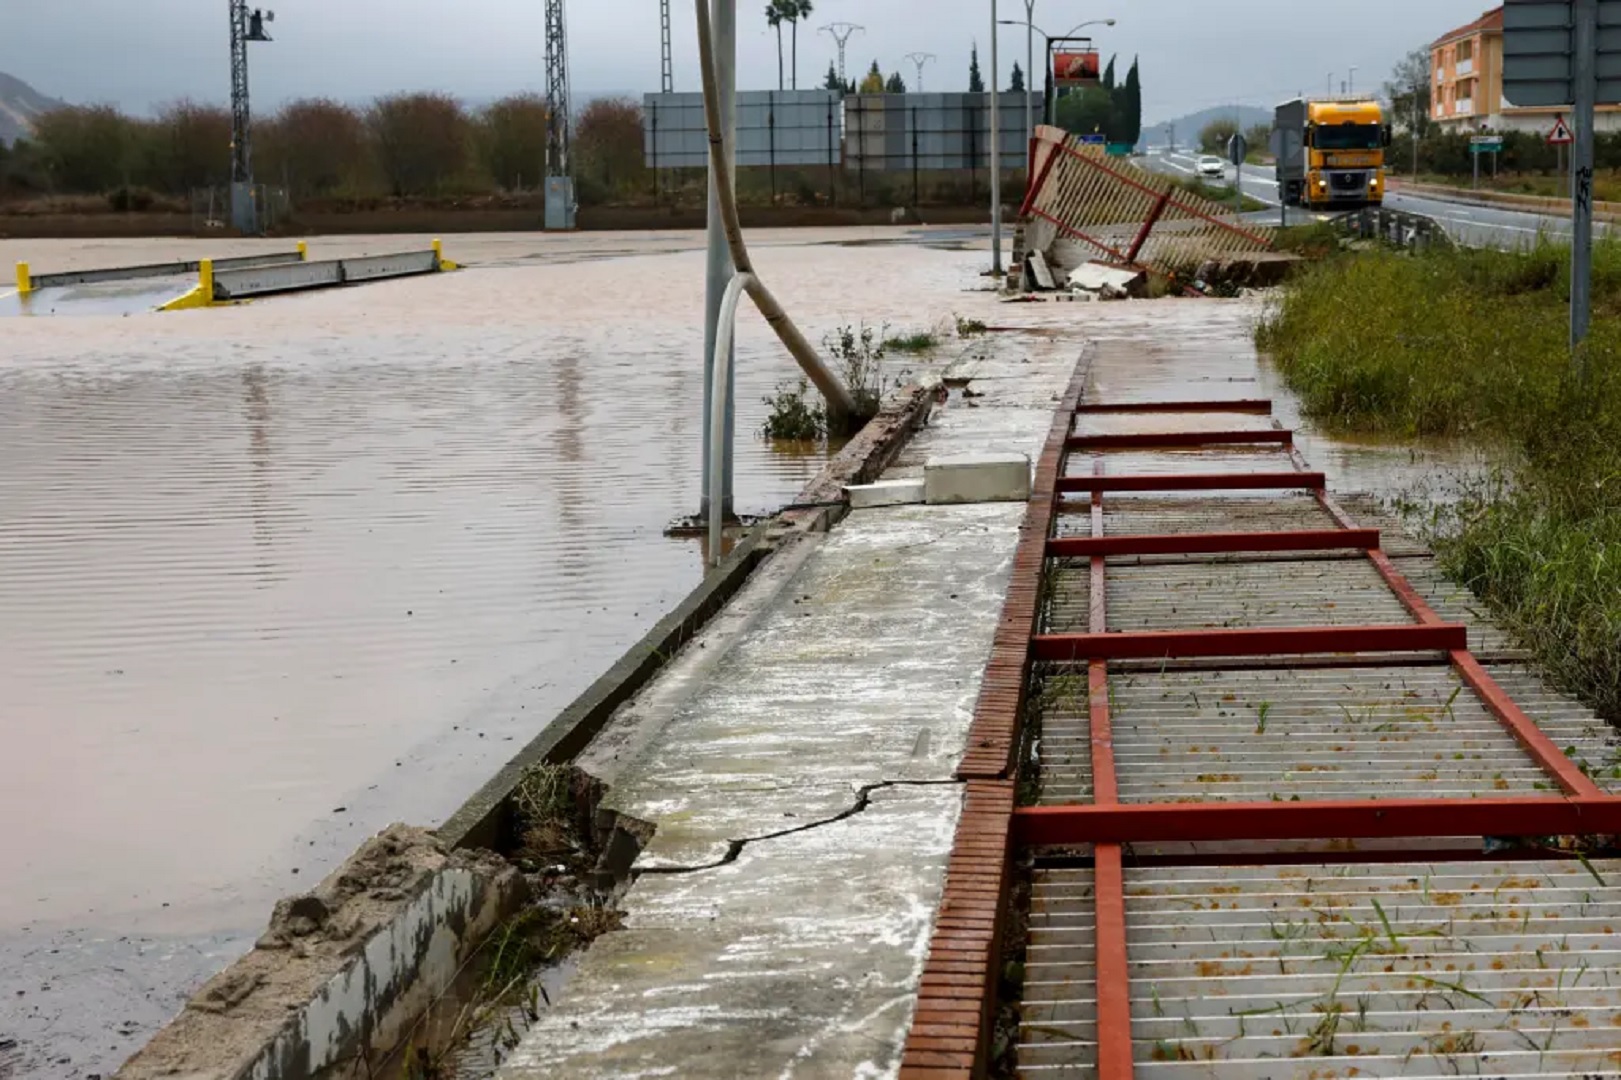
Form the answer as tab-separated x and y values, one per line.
1505	200
355	1005
479	821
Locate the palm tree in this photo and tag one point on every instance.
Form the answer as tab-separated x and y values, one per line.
774	16
800	9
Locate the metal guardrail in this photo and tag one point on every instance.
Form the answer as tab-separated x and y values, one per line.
28	282
1396	227
291	277
233	285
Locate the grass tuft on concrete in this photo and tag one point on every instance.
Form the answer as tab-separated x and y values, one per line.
1472	345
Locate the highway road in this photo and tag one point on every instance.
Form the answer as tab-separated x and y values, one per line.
1471	224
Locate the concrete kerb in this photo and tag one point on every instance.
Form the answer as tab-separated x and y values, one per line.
481	820
1553	206
346	971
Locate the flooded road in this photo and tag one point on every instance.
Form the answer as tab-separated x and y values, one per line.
274	576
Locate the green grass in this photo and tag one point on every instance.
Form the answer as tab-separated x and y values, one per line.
922	341
1472	345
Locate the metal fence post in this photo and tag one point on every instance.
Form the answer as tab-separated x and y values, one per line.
917	197
771	135
861	153
832	175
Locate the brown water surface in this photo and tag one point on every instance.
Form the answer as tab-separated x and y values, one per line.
274	576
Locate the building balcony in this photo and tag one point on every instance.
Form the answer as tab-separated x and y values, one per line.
1466	67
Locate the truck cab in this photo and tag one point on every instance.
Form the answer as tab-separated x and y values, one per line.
1330	153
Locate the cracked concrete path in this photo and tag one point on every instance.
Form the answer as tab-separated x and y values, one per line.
777	926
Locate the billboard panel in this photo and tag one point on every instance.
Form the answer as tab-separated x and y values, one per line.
1076	67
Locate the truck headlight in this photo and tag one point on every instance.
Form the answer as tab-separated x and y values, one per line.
1374	182
1322	183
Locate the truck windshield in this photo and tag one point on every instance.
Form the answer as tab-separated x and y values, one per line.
1346	137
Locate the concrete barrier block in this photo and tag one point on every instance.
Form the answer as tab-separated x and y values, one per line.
885	493
977	478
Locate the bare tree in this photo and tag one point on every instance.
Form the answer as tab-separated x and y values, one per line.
512	139
317	147
421	142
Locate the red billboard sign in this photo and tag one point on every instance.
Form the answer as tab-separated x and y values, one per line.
1075	68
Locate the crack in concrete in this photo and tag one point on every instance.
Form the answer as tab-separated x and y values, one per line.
734	848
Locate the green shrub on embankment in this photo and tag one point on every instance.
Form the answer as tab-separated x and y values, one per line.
1472	344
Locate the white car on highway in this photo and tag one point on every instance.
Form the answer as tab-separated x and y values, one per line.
1210	165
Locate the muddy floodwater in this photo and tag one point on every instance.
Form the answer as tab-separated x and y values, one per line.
276	575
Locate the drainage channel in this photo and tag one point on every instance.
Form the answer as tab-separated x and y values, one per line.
1252	792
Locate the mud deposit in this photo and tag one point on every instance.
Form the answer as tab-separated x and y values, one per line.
274	576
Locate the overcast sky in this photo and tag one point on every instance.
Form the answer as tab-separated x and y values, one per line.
1195	53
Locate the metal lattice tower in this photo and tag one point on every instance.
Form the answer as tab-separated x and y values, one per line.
841	32
241	148
557	95
919	59
666	67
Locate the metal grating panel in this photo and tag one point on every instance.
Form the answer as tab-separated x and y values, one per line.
1308	733
1058	1008
1202	462
1490	967
1321	592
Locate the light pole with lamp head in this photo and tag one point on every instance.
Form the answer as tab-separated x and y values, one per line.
1030	32
1047	73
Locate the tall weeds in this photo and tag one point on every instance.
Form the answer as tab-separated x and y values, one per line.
1472	344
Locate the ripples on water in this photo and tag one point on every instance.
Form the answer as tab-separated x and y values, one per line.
274	576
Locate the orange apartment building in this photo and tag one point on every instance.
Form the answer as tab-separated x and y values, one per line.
1466	65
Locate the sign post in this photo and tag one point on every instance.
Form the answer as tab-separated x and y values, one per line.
1484	144
1238	149
1584	88
1554	55
1559	138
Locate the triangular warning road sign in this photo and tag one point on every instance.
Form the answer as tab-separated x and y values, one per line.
1560	135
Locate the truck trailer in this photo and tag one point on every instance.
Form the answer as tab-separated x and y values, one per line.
1330	152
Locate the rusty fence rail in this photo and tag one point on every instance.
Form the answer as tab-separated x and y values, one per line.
1180	924
1128	215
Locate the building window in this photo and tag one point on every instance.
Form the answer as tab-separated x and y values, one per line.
1466	50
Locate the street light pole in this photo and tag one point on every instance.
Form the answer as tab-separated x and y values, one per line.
996	154
718	260
1029	68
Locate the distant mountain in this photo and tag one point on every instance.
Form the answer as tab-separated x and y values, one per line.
1184	130
19	104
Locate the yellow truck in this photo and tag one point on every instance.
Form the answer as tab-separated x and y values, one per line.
1330	152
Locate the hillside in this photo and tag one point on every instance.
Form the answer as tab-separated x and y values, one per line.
1187	128
19	104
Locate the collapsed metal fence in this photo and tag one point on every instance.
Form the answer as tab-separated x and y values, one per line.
1128	215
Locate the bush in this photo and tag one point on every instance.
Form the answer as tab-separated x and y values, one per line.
793	415
126	200
422	143
512	141
317	148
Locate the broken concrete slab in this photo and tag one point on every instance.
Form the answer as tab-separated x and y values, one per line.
885	493
1040	272
1109	282
976	478
342	970
801	957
